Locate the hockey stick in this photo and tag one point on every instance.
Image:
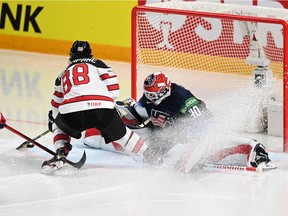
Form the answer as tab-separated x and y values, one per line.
231	167
77	165
188	164
140	126
238	168
27	144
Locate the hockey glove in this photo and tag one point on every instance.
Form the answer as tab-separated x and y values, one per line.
126	102
51	121
58	160
2	121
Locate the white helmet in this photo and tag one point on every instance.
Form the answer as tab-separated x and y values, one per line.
157	87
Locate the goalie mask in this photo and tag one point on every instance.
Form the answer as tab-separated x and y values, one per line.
157	87
80	49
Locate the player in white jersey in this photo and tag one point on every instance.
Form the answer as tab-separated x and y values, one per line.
84	98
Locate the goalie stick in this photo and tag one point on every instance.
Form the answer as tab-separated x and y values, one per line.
139	126
28	144
238	168
187	163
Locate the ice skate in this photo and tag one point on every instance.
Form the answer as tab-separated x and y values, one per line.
259	157
58	161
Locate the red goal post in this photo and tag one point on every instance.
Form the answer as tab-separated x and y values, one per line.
187	40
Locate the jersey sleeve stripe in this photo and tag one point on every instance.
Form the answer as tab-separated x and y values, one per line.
58	94
113	87
107	76
54	104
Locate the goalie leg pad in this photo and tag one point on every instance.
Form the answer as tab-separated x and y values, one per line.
132	142
93	138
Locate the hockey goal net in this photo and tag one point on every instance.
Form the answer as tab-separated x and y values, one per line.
230	56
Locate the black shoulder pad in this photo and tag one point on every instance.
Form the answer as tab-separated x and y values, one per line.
100	64
58	79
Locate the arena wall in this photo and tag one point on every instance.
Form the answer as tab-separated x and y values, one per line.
52	26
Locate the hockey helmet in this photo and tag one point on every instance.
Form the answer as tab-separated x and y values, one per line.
80	49
157	87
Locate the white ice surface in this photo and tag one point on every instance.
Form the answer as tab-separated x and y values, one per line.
111	184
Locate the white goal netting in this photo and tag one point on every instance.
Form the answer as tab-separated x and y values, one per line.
216	51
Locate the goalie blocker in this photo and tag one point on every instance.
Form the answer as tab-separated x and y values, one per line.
128	113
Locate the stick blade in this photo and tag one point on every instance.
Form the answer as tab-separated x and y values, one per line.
25	145
80	163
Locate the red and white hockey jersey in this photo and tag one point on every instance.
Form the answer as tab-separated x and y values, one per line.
85	84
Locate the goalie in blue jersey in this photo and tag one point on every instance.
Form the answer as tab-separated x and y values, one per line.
179	127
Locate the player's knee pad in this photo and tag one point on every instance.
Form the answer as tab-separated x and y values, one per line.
132	142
